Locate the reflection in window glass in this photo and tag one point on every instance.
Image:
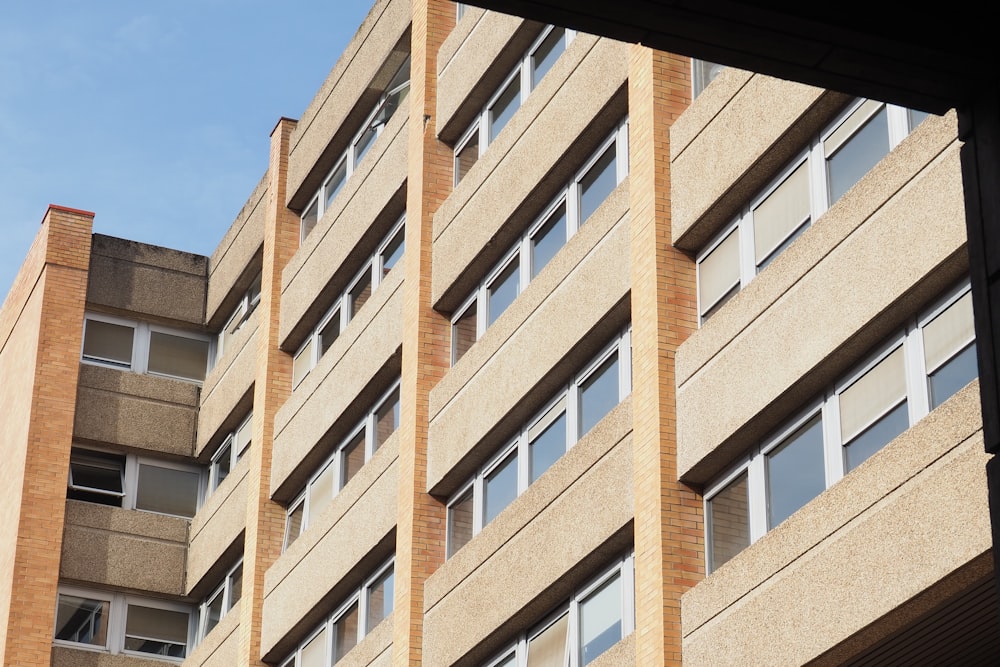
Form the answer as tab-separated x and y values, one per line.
380	597
360	293
877	436
547	53
345	633
309	218
549	445
795	472
501	487
548	239
467	156
82	621
392	252
600	620
728	522
857	155
156	631
167	490
598	183
460	523
959	371
503	290
504	106
387	419
329	332
599	394
463	333
109	343
353	458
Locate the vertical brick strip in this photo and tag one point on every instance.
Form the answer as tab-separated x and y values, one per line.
265	522
49	384
421	519
668	521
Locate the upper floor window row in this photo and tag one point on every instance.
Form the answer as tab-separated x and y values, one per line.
572	207
378	424
347	305
239	317
357	616
391	100
123	624
135	482
570	415
911	374
220	601
232	449
836	159
509	97
142	347
595	618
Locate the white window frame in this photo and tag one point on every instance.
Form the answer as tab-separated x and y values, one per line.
349	159
827	407
520	444
141	331
225	588
117	617
335	462
813	156
237	319
521	253
234	454
624	569
523	71
341	308
130	473
359	596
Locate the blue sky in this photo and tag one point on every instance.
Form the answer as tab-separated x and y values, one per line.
156	116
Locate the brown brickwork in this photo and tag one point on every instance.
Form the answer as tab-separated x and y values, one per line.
41	329
421	518
265	522
669	542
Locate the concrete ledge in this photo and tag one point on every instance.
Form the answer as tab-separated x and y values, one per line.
218	524
221	647
227	386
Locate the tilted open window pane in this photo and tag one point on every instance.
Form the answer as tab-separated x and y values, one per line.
108	343
82	620
178	356
97	477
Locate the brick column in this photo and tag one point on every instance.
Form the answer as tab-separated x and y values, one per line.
41	330
265	522
421	519
668	516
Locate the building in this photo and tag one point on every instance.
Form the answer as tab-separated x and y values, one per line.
515	355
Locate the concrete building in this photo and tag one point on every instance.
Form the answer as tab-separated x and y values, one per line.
516	355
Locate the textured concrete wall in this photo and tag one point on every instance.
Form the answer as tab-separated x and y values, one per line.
909	208
62	656
217	525
115	547
226	387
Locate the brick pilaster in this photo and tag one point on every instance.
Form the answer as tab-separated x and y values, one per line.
668	516
265	521
421	519
41	330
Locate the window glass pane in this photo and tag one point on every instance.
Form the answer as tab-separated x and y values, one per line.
335	182
951	330
178	356
463	333
962	369
916	117
156	631
510	661
110	343
236	591
548	441
223	462
360	293
548	647
785	210
314	653
598	394
303	362
309	218
364	142
460	523
719	271
795	472
293	525
96	477
505	106
167	490
393	251
387	418
353	458
877	436
503	290
872	394
597	183
857	155
380	597
213	611
704	73
600	620
466	156
82	621
329	332
345	633
547	53
547	241
500	487
243	437
728	522
321	492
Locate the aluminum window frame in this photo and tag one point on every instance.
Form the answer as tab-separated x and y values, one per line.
234	455
237	319
225	588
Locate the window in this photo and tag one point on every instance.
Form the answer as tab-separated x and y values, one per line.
339	468
232	449
570	415
356	616
133	482
594	619
122	624
144	348
703	73
220	601
563	217
909	375
803	191
527	74
244	309
391	100
348	304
